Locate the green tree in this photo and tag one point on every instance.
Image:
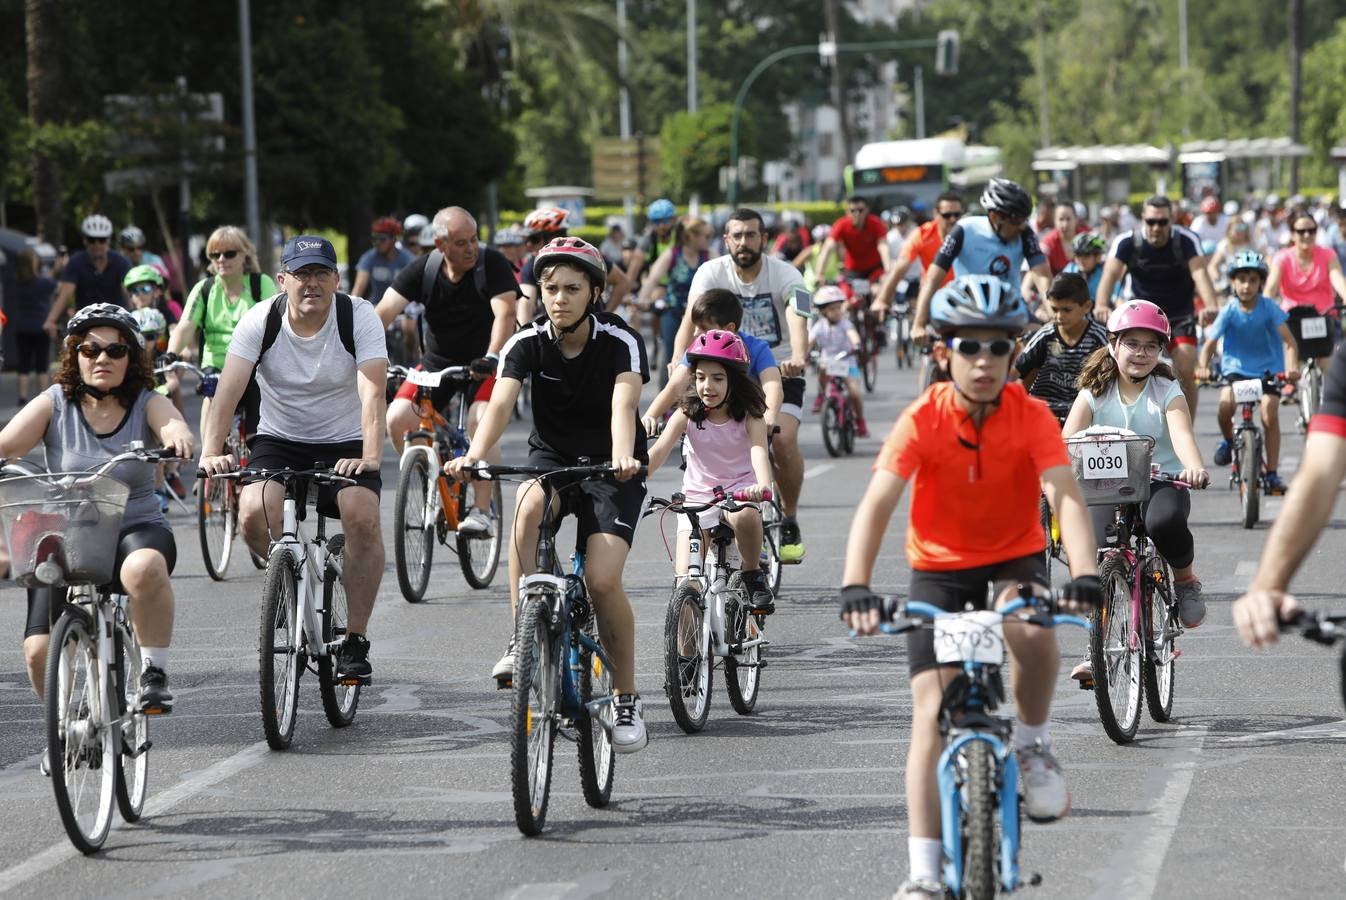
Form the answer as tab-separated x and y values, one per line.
695	147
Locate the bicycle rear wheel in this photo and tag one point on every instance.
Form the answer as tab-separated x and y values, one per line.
981	843
833	438
339	701
687	659
1250	475
533	714
1116	662
414	537
479	554
133	744
597	758
1161	628
771	526
81	747
216	524
279	651
742	669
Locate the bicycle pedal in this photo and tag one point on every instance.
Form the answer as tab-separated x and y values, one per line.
1086	684
355	681
143	748
161	710
504	684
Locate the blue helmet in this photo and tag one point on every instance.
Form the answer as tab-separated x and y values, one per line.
978	301
1246	260
661	210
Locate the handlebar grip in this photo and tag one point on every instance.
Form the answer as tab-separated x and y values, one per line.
742	497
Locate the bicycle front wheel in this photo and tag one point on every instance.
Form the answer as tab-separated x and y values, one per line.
533	714
216	523
687	659
1161	628
833	438
81	749
771	527
279	653
133	750
413	536
1115	654
1250	475
981	844
597	758
479	554
743	667
339	701
1310	395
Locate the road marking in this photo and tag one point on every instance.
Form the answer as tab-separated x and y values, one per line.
1245	568
590	884
184	790
819	470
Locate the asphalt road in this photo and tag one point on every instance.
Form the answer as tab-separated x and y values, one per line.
1241	795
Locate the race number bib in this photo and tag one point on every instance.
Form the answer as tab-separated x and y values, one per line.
760	319
1313	328
1103	460
1248	391
970	637
424	379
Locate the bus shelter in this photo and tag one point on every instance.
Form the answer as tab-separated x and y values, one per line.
1235	168
1102	173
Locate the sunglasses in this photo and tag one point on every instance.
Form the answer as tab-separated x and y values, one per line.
380	237
951	216
223	254
113	351
1157	223
89	240
1313	230
143	289
1012	220
968	347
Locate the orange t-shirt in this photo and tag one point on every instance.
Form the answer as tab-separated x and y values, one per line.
974	497
923	244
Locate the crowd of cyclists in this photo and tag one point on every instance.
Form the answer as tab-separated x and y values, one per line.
1053	322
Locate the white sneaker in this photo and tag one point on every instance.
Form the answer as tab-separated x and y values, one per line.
44	764
504	670
920	889
475	523
1046	795
628	731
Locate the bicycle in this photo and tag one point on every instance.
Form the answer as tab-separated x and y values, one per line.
562	681
838	420
62	529
867	324
978	771
1133	636
1314	339
709	617
1248	468
423	514
297	626
900	334
1055	551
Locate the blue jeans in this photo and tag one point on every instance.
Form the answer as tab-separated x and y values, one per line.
669	322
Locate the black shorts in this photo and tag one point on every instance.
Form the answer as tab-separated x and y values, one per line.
277	453
1182	329
599	505
34	352
1269	388
958	589
139	537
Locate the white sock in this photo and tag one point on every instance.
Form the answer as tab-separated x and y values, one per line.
155	656
1026	735
923	858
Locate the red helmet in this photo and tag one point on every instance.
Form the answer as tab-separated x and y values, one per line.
1210	204
386	225
575	251
721	346
546	220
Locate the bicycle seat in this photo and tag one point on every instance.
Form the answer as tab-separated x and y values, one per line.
722	534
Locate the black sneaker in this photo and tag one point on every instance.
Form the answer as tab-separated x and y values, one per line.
352	660
760	601
155	697
791	543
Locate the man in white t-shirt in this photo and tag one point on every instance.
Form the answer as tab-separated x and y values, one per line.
1210	225
321	365
776	308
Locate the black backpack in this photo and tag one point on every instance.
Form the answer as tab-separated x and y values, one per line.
1176	260
345	314
434	260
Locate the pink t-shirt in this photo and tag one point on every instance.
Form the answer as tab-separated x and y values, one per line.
717	455
1305	287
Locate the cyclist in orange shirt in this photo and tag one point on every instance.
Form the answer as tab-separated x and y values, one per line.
922	245
978	451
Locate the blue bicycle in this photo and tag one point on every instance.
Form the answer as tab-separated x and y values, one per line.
978	771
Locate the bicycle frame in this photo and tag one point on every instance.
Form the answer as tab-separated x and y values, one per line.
423	441
713	586
309	569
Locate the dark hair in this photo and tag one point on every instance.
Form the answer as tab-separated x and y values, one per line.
1069	286
717	306
858	198
139	372
595	287
950	197
1100	370
1298	213
745	215
1159	201
25	265
745	397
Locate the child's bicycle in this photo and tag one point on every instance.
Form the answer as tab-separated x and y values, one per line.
1248	468
838	420
978	771
62	529
708	617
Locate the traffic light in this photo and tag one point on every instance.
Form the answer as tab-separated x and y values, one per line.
946	53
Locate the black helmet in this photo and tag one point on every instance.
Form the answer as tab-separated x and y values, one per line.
98	314
1006	197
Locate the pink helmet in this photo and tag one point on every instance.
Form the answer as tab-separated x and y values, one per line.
1139	314
575	251
722	347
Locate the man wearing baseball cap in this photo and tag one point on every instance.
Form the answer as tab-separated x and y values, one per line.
321	366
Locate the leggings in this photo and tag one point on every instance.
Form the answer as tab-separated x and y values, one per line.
1165	515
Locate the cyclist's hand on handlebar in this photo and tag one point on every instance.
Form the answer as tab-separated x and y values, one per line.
1082	595
861	609
354	466
625	467
920	332
879	309
1202	373
460	468
756	492
1197	478
482	368
1258	614
217	465
180	441
166	360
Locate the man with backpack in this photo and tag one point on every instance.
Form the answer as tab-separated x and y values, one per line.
321	366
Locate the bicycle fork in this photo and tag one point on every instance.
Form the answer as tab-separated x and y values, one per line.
951	788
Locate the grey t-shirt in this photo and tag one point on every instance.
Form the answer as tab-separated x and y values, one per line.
778	289
72	446
308	384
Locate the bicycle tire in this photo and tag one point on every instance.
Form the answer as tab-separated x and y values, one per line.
742	671
1161	628
771	526
869	363
848	429
687	660
280	637
479	555
831	423
532	719
597	757
83	776
414	538
1117	675
981	844
339	701
1310	395
1250	476
133	742
216	524
1045	519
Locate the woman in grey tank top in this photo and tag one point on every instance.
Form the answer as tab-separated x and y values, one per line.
102	400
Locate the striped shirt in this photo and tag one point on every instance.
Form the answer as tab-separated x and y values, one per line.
1058	363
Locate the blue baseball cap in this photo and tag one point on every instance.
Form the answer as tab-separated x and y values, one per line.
308	250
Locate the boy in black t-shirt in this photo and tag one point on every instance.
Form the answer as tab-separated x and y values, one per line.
1052	360
587	368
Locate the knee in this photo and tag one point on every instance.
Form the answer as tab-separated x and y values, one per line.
604	585
35	652
360	514
144	570
400	417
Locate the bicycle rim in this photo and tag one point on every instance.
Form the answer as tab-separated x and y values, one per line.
831	421
771	525
1116	664
533	725
279	651
687	659
339	701
133	758
479	555
1161	628
413	536
743	670
597	758
80	746
215	525
1250	474
870	369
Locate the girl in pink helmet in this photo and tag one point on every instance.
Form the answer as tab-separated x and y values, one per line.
722	420
1126	385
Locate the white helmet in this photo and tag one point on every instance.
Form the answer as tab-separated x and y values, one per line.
1231	208
414	223
131	236
96	226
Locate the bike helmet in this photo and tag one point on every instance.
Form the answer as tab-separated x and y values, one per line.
1210	204
413	223
902	215
98	314
1007	198
722	347
546	220
426	236
1088	242
131	236
96	226
508	237
575	251
140	274
1139	314
820	233
661	210
387	225
1246	260
827	295
978	301
151	321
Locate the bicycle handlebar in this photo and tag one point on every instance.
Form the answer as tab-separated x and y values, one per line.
728	502
487	472
912	614
1322	628
317	475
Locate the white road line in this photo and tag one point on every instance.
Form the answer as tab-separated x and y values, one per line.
819	470
156	805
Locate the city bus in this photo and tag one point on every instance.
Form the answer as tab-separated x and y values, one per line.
906	173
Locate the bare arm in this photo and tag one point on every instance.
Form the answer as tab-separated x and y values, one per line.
371	379
654	280
527	304
25	430
1041	277
1204	288
493	421
1113	270
761	460
504	306
184	333
1334	275
1179	421
799	342
1291	352
389	308
1081	416
930	282
668	397
621	284
885	254
64	292
685	330
668	439
361	284
1077	530
774	389
1273	286
888	287
170	427
233	381
625	402
823	256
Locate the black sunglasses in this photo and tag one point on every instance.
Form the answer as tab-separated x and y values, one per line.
1156	223
1313	230
951	216
968	347
93	240
114	351
223	254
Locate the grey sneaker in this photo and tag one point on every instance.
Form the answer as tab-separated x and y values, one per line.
1046	795
920	889
628	728
475	523
1191	608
